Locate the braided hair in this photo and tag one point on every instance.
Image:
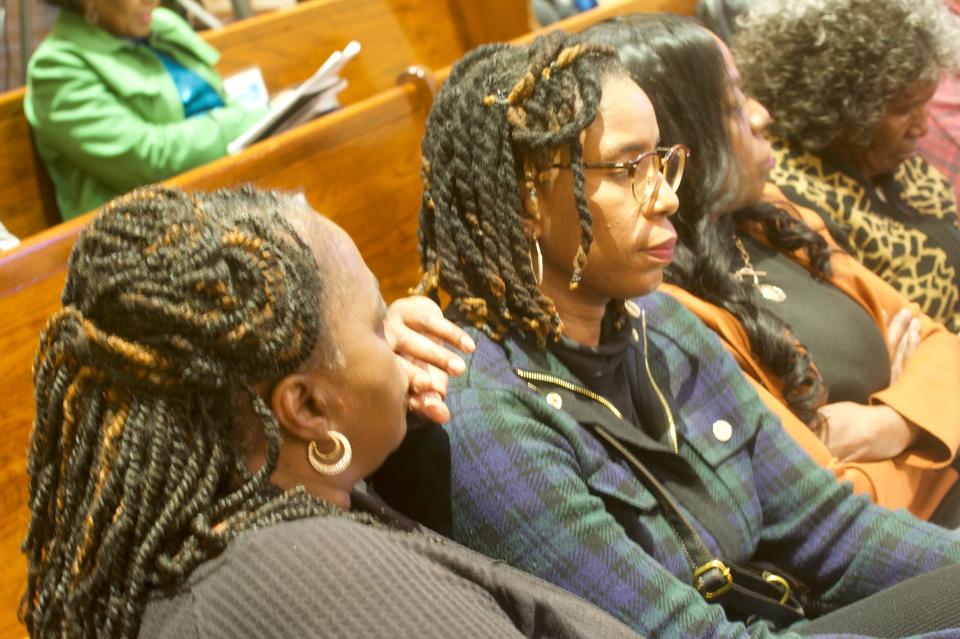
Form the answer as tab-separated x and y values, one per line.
498	122
174	306
658	49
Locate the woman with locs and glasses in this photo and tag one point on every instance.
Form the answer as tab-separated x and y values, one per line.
861	378
601	437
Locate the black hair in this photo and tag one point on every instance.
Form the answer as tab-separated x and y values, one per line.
497	123
175	305
680	67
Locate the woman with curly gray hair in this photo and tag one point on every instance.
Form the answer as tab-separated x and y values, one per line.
847	83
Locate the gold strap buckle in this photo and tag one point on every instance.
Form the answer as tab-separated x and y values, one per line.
724	572
777	580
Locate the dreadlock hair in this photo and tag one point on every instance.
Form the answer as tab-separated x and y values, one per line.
678	64
499	120
174	306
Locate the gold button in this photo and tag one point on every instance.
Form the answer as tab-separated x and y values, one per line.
631	308
722	430
555	400
636	334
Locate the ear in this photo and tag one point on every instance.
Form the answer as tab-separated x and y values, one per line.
544	181
302	403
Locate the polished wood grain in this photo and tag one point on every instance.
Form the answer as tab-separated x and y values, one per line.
287	46
362	172
359	166
26	195
490	20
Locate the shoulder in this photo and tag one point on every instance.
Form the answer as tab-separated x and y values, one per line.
492	366
703	309
492	407
169	28
165	21
669	321
926	190
258	585
700	371
61	45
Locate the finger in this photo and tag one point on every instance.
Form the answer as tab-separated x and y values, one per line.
899	357
418	380
438	380
430	406
423	315
903	346
440	328
424	378
411	344
914	340
898	327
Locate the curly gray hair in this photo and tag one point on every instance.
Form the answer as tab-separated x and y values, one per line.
829	67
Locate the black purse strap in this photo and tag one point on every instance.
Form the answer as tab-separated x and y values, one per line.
748	592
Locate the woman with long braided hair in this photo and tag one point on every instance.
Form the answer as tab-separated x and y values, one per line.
752	266
222	373
601	437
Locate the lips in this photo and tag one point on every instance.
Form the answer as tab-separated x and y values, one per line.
663	251
909	153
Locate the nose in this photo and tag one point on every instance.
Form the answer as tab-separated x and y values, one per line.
919	121
758	116
665	203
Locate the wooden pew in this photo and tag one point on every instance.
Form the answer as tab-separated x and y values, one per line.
359	166
288	46
27	202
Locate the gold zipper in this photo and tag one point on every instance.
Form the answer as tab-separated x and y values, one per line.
663	400
562	383
586	392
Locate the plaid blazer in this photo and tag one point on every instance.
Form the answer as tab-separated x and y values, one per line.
531	486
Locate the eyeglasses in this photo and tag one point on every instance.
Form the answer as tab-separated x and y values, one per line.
648	169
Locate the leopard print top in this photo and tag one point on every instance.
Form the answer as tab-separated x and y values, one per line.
917	251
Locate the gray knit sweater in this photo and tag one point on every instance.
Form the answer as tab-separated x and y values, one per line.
333	577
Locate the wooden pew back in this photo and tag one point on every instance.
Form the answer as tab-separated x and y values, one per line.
27	202
359	166
362	172
288	46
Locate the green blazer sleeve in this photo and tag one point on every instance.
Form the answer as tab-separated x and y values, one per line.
75	112
107	117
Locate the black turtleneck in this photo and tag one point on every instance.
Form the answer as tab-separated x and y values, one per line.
615	370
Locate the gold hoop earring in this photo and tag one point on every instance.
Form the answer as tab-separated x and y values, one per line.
537	272
90	14
334	462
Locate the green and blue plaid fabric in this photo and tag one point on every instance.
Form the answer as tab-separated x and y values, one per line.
532	487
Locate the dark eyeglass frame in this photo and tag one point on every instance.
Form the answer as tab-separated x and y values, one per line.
661	154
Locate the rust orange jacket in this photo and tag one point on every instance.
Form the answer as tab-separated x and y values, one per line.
927	393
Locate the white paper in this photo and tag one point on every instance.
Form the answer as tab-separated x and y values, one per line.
324	79
247	88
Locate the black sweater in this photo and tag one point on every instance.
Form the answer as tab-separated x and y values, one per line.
334	577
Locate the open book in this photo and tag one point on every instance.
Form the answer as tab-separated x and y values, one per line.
314	97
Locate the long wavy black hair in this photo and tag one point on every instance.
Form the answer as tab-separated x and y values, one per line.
175	305
680	67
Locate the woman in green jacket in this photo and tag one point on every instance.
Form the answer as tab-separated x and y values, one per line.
121	94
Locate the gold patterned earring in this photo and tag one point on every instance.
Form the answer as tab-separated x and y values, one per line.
538	271
334	462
